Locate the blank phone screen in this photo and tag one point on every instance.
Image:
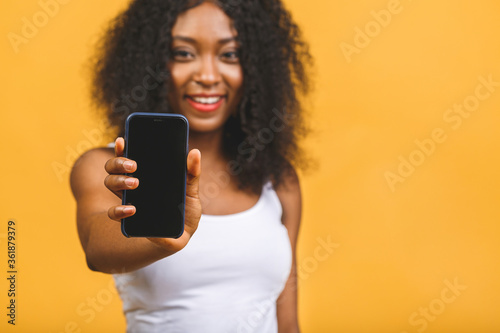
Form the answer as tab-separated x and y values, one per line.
158	143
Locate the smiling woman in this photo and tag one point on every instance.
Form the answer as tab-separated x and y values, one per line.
228	67
206	74
272	56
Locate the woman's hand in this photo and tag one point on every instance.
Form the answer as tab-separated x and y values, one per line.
116	182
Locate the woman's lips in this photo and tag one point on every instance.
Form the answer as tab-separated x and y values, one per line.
205	103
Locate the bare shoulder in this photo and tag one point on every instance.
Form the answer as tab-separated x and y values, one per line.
290	197
88	170
290	186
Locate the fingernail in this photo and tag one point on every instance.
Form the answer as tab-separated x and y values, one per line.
128	165
128	210
130	181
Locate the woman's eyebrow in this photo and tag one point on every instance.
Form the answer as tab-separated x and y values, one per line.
194	41
226	40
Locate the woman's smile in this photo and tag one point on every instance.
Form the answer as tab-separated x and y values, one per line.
205	103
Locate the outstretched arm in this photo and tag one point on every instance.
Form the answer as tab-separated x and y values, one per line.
97	190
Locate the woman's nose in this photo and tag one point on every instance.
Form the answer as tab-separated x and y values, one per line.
208	72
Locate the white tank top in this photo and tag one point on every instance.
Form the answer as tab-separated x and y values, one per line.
227	278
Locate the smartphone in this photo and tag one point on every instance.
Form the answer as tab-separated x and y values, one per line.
158	142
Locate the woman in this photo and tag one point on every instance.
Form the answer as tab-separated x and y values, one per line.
233	69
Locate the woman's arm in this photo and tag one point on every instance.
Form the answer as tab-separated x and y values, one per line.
290	197
99	211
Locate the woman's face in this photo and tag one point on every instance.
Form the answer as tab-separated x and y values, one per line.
206	75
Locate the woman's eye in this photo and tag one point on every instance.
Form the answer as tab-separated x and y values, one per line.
231	56
181	54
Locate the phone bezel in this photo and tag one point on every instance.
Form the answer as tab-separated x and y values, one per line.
151	115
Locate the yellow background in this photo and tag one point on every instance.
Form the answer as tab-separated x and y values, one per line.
394	250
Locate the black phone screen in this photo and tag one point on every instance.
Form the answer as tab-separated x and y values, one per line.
158	143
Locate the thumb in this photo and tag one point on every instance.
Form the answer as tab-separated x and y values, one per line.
193	173
119	146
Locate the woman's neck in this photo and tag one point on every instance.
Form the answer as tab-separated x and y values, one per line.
209	144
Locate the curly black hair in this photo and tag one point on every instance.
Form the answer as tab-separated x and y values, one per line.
130	75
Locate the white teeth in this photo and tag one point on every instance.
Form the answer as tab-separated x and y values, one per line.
206	100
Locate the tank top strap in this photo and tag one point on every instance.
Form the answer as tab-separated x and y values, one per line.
269	192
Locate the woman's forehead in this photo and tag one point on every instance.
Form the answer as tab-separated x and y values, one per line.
207	19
